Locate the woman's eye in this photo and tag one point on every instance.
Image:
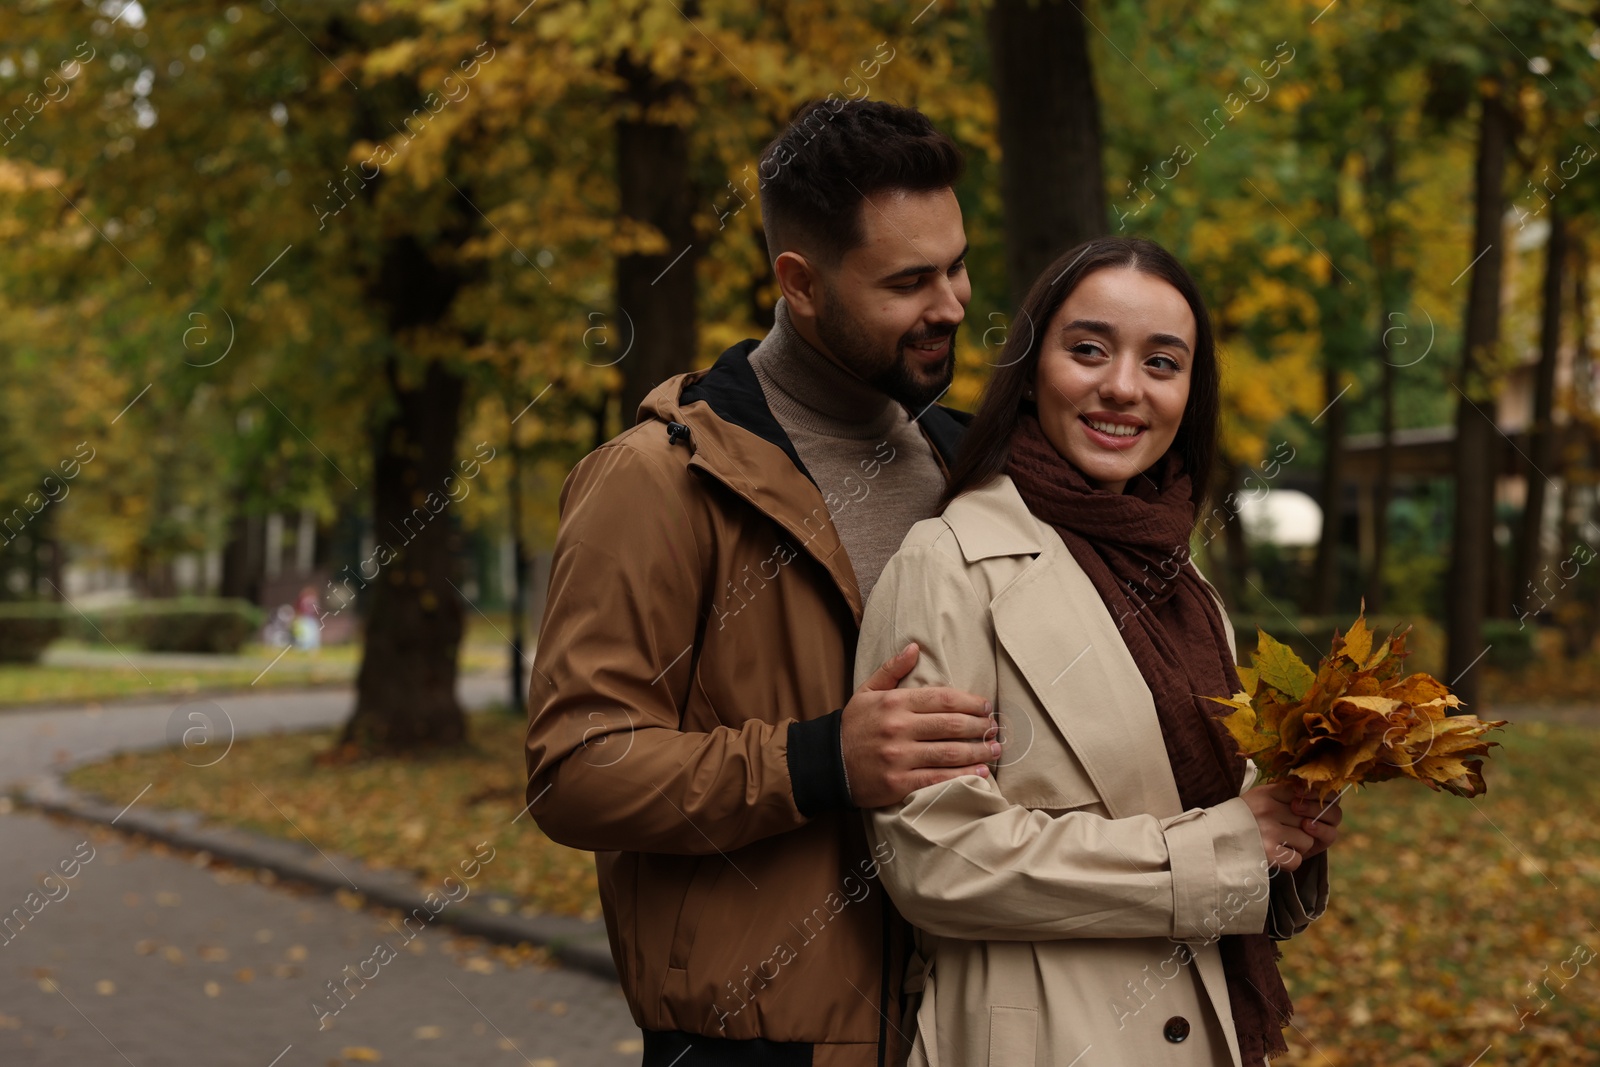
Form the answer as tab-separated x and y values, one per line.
1084	348
1165	363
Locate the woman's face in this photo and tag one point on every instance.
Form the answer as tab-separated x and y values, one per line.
1113	374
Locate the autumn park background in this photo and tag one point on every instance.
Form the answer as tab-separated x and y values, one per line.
273	271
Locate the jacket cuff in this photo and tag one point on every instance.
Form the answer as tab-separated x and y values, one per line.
816	766
1298	898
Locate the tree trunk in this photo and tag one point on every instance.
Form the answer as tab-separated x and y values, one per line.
1541	449
655	320
242	555
57	568
1051	178
1382	494
519	587
406	691
1391	298
1341	341
601	416
1582	368
1473	547
1224	569
1580	462
1324	585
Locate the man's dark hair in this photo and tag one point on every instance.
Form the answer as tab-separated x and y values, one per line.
835	153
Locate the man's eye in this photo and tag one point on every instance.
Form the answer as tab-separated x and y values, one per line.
907	287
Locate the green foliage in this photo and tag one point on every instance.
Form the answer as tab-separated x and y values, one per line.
187	624
1511	645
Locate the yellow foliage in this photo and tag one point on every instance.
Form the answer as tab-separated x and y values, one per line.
1354	720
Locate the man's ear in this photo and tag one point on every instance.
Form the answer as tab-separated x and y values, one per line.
799	282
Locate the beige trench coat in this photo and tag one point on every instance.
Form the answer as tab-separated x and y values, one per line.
1068	908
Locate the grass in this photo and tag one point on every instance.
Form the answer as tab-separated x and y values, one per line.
26	684
32	684
1550	680
1444	911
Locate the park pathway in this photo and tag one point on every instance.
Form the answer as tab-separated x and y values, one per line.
147	958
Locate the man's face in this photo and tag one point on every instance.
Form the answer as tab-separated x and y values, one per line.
889	311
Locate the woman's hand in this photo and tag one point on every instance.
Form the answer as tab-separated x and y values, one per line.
1293	825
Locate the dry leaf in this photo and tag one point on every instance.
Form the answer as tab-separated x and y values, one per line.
1355	719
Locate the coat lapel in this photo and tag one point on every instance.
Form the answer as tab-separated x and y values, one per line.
1057	630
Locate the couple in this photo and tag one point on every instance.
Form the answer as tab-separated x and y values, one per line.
865	784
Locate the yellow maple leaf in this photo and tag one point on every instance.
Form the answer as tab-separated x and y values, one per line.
1358	642
1279	667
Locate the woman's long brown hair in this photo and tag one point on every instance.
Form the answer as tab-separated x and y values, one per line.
986	445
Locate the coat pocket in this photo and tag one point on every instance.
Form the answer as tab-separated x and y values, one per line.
1013	1036
706	872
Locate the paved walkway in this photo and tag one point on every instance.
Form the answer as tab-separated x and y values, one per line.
145	957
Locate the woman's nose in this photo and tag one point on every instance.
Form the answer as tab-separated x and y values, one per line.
1121	381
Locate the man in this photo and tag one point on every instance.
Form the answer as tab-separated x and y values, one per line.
691	717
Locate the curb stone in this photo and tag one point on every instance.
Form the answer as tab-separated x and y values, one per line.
576	943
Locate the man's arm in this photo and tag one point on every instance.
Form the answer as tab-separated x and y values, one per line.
609	767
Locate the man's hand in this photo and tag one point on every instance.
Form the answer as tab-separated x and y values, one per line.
898	740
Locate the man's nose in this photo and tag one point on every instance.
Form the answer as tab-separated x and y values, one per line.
948	309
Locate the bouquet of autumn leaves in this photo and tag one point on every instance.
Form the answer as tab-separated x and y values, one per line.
1356	719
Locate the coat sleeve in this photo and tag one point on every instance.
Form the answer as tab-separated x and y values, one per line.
969	864
609	765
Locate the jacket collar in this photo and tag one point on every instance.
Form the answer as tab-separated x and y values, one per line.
734	437
993	520
733	393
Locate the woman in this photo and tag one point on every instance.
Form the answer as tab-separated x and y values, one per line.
1109	895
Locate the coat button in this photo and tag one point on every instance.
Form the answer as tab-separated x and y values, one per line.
1176	1029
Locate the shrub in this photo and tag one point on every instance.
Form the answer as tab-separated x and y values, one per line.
188	624
1511	644
27	628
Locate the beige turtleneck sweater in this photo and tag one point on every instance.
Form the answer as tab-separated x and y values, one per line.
876	472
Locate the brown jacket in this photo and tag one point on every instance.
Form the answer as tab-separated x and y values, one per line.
698	639
1070	902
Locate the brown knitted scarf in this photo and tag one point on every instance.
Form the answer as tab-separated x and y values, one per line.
1134	547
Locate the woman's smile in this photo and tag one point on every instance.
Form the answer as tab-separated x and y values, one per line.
1110	430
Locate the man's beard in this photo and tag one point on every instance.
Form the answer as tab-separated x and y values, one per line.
851	345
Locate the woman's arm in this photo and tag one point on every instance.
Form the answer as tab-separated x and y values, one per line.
968	863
